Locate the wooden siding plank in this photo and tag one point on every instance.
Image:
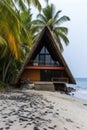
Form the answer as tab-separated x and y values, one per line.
33	75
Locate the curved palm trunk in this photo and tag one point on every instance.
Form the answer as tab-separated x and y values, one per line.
5	69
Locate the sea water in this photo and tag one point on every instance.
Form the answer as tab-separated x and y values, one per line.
81	88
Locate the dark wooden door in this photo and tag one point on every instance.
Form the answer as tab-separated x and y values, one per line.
45	75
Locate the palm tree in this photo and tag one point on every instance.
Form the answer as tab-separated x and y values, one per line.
9	28
15	30
11	24
50	18
27	22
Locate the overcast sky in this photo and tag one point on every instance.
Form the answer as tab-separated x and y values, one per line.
75	53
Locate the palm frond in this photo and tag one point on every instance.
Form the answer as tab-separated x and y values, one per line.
2	42
58	41
62	20
42	18
62	30
3	51
48	12
37	22
3	47
36	3
22	5
57	14
64	38
50	22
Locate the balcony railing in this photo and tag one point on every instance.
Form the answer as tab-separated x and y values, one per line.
60	80
37	63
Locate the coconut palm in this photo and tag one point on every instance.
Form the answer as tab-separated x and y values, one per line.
15	30
9	28
52	19
26	19
11	24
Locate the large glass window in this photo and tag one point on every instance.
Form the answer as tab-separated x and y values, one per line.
47	59
51	61
41	59
44	58
37	57
42	50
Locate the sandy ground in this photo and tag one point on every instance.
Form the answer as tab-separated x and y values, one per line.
42	110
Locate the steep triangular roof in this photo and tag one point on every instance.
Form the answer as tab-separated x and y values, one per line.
47	35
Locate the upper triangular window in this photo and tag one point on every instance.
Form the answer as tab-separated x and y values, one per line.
45	58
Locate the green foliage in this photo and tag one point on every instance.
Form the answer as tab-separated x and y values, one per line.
26	19
2	85
18	32
8	68
23	4
16	36
12	29
49	17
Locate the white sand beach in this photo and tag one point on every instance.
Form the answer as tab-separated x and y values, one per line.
42	110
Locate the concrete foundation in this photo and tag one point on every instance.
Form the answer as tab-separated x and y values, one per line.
46	86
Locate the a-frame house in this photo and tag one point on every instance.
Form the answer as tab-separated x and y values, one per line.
45	62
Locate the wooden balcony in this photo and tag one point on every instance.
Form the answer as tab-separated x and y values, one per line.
45	67
60	80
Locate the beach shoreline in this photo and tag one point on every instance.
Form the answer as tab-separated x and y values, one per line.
42	110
